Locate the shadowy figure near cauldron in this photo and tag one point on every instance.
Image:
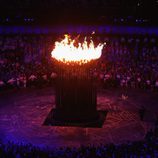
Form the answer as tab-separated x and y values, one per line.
142	111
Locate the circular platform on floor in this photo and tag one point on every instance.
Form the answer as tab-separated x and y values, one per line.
22	113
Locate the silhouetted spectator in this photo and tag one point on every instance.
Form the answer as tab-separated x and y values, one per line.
142	111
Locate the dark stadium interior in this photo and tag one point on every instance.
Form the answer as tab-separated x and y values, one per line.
125	78
79	11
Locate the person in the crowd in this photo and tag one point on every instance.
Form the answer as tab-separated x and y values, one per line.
142	111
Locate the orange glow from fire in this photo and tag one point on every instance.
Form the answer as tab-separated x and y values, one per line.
68	51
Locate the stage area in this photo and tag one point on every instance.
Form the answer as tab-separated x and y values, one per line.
22	113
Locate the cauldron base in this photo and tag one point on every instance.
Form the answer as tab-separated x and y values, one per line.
95	123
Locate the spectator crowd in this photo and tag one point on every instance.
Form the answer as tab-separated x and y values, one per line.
127	61
147	148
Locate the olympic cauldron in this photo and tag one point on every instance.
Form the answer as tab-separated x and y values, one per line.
76	97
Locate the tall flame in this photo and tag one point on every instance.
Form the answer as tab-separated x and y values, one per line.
67	51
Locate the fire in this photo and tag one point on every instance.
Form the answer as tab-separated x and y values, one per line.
67	51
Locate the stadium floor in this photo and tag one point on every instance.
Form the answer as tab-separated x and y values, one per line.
22	113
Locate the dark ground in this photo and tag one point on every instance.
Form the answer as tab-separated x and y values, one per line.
22	113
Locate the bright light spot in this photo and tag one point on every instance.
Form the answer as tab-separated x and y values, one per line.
69	50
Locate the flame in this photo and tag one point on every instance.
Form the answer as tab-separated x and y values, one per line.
67	51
